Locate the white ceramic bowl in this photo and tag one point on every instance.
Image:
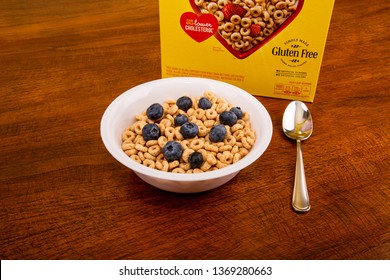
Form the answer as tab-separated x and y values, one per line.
121	113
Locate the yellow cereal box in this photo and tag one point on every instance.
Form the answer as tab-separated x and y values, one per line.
270	48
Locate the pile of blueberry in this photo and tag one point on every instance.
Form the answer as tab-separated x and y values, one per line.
173	150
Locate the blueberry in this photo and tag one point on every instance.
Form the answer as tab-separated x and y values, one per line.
172	151
237	111
151	131
217	133
184	103
228	118
204	103
155	111
195	160
189	130
180	119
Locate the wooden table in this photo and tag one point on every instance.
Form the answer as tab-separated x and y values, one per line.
64	197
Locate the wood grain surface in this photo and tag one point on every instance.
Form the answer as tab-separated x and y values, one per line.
64	197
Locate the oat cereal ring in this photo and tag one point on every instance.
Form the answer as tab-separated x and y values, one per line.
149	163
220	164
225	148
131	152
149	156
197	170
209	123
192	118
203	131
222	3
245	31
210	158
211	147
169	132
197	144
243	152
234	149
212	7
178	170
210	96
237	126
228	27
185	144
127	145
249	3
190	112
219	15
138	126
240	44
154	150
227	157
205	166
141	148
229	42
186	154
256	11
136	158
199	2
161	127
281	5
267	31
271	24
291	2
173	164
271	9
235	19
236	157
291	8
162	165
178	134
246	22
246	144
221	107
162	140
226	35
199	113
141	156
151	143
230	140
250	133
239	134
266	16
185	166
236	36
160	157
165	106
211	114
250	139
128	135
172	109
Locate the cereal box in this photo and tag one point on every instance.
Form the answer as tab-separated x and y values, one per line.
271	48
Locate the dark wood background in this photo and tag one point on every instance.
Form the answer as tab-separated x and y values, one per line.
64	197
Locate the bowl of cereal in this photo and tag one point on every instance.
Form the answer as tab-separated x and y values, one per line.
186	134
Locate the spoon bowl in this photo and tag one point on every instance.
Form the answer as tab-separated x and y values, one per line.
298	125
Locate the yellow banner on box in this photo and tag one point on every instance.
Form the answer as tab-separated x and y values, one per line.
269	48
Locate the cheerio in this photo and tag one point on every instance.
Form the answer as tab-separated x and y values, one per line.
269	48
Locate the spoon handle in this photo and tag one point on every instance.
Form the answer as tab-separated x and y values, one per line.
300	200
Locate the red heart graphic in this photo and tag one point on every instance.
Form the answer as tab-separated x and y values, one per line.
266	20
199	27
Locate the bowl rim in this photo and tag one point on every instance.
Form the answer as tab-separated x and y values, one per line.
251	157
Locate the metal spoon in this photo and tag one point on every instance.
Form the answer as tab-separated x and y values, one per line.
298	125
